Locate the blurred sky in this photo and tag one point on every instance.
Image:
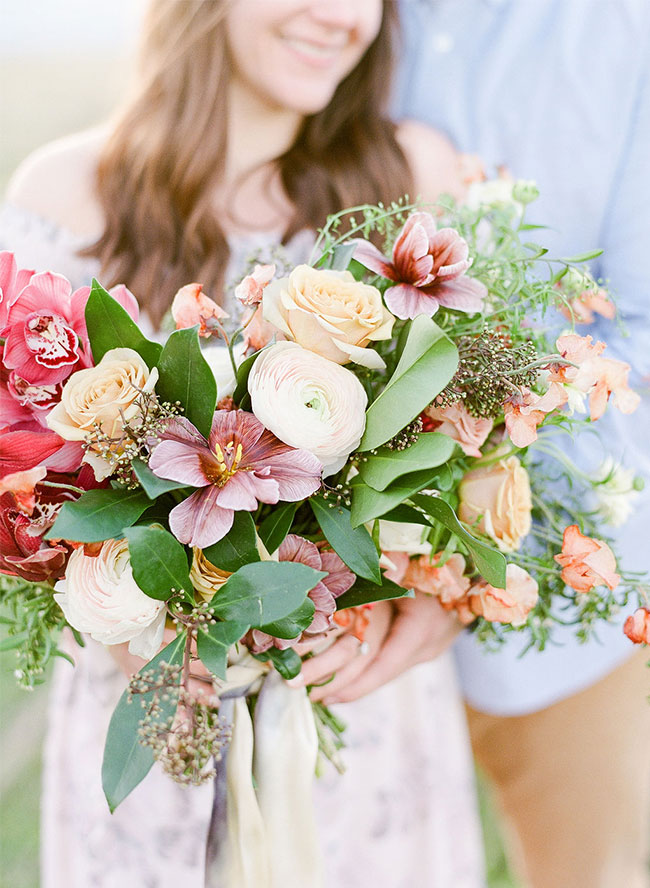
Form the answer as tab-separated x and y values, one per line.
33	25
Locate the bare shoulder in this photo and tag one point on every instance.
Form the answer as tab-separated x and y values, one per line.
57	182
434	161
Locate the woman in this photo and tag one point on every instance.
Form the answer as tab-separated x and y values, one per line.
251	122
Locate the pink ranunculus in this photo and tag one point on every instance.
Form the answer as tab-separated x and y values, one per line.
510	605
12	281
428	269
251	288
526	410
458	423
586	562
241	465
191	307
637	626
46	337
324	594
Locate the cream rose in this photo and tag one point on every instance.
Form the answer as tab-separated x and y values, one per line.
330	313
499	496
205	577
103	396
509	605
308	402
399	536
99	596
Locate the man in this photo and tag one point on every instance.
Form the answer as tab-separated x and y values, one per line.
559	91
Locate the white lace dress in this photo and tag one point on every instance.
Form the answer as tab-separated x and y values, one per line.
403	816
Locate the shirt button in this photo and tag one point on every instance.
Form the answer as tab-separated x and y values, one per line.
443	42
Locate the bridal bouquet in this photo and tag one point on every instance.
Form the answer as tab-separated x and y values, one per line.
385	419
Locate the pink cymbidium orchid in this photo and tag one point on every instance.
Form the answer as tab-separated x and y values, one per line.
428	267
240	465
12	281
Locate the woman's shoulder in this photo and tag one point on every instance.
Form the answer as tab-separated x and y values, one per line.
57	183
435	163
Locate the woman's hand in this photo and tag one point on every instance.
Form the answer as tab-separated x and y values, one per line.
401	634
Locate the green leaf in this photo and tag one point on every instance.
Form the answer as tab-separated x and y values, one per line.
368	503
152	485
243	372
294	624
429	451
110	326
341	256
353	545
489	562
14	641
406	515
185	376
274	529
213	645
238	547
427	364
287	662
364	592
98	515
583	257
126	761
158	561
265	592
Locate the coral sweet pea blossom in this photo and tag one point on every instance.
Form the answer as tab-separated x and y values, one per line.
586	562
240	464
510	605
251	289
428	267
46	329
191	307
526	410
637	626
458	423
12	281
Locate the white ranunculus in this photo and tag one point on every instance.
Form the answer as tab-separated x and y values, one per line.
99	596
309	402
398	536
615	493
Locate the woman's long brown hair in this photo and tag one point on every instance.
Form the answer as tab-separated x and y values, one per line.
159	170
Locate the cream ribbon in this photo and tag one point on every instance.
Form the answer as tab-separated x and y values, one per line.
263	834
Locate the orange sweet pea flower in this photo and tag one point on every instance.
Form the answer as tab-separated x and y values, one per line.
525	411
586	562
637	626
191	307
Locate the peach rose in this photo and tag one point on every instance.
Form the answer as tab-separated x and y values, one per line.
498	496
637	626
100	596
191	307
510	605
104	396
330	313
586	562
456	422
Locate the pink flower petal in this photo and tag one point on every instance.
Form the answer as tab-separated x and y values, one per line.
239	427
368	254
181	461
24	450
406	301
199	521
297	548
411	258
450	252
339	577
462	294
45	292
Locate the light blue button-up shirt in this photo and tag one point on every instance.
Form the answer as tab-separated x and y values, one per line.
557	91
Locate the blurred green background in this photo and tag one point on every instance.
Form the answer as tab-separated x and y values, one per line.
47	94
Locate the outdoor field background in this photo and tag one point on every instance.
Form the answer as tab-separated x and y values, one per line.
63	64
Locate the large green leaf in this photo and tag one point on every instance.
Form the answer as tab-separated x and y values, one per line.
287	662
294	624
110	326
213	645
98	515
490	562
364	592
152	485
353	545
265	592
238	547
126	760
158	561
427	364
186	376
243	372
385	466
274	529
368	503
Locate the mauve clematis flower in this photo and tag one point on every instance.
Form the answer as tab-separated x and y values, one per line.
324	594
240	465
12	281
46	331
428	267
